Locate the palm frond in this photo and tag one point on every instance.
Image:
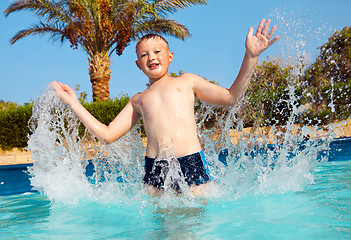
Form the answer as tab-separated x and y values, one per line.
162	26
171	6
55	31
22	5
42	8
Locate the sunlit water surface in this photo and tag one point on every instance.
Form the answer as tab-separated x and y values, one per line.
321	211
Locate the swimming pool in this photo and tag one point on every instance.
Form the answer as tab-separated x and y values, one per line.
321	210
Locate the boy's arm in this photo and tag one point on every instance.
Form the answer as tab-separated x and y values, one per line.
123	122
255	45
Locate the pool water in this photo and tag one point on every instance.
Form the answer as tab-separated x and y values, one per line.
321	211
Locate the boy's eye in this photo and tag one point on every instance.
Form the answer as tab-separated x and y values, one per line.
157	51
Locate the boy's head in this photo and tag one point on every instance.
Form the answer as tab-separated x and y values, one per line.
154	56
150	36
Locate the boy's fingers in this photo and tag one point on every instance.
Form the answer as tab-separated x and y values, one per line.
260	26
250	33
271	32
55	85
273	40
62	86
265	29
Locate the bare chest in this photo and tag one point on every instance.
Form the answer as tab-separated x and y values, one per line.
167	98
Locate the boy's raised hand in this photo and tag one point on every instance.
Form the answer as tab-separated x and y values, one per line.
65	92
256	44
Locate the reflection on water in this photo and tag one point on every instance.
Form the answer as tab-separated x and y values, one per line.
22	213
322	211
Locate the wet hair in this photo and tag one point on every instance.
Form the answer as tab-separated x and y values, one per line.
149	36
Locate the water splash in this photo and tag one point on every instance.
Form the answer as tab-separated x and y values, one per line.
299	39
262	160
257	164
277	160
61	156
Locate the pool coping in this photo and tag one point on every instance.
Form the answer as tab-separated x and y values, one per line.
15	156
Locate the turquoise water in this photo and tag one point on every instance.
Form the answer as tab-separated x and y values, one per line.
321	211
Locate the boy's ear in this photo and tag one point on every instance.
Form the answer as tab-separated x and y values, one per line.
171	54
137	63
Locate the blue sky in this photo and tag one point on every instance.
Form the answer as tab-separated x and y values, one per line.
215	49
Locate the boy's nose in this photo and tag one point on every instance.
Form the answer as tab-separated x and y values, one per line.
151	57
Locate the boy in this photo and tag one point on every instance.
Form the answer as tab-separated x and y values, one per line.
167	109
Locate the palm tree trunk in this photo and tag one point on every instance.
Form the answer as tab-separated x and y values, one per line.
100	75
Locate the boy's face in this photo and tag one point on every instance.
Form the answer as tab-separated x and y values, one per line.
154	58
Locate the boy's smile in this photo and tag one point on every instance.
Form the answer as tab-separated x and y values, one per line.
153	66
154	58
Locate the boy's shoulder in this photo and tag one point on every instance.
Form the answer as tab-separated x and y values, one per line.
188	76
136	96
192	78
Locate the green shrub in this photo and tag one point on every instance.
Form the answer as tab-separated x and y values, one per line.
14	127
7	105
106	111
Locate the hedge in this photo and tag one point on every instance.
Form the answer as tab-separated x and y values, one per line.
14	129
106	111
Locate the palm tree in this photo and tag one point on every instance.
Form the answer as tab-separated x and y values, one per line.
102	27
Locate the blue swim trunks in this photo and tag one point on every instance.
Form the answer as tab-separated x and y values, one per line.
193	168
